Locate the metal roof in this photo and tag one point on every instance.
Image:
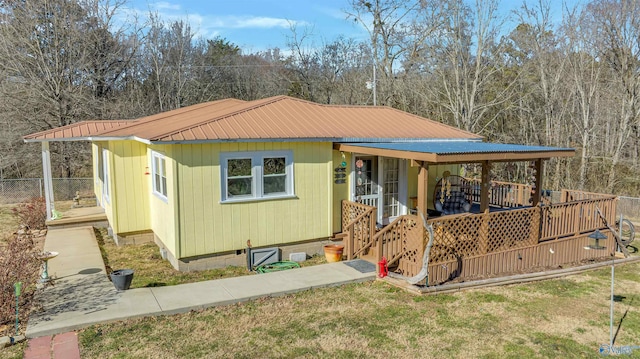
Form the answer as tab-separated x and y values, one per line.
459	147
279	118
76	132
456	151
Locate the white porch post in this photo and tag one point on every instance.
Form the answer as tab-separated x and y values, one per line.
48	182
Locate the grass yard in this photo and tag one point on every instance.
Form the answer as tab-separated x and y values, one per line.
562	318
8	222
152	271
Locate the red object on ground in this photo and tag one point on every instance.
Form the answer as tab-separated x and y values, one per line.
382	265
38	348
60	346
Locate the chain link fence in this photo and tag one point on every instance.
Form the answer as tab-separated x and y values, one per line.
629	207
23	189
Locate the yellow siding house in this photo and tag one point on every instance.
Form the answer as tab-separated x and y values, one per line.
203	180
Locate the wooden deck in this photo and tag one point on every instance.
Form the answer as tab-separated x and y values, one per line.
471	246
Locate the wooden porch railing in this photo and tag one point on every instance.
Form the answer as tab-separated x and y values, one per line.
359	225
567	195
457	237
502	194
401	239
575	217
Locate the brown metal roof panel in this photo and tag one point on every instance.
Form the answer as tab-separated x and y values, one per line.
278	117
228	130
209	132
275	120
217	130
79	129
197	133
173	121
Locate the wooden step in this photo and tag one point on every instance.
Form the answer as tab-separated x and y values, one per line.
370	257
339	236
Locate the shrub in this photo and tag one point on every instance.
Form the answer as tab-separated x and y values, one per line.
33	214
18	263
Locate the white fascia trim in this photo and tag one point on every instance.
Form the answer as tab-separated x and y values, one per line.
67	139
123	138
336	140
90	138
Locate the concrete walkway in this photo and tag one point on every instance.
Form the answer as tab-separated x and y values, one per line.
83	295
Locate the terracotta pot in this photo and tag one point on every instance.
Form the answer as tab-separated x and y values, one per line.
333	252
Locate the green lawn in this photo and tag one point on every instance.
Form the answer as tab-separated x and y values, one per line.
152	271
562	318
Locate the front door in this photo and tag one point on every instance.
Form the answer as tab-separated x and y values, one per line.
381	182
366	181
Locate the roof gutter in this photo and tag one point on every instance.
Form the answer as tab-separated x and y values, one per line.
69	139
88	138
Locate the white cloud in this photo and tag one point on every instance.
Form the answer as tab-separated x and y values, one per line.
164	5
258	22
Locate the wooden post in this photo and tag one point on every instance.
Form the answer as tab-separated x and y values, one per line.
484	232
536	226
372	234
484	186
423	183
538	182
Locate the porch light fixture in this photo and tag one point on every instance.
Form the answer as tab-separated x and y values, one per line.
596	236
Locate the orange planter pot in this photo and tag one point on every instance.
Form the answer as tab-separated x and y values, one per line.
333	252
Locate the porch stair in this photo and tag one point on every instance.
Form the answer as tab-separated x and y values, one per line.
338	237
80	217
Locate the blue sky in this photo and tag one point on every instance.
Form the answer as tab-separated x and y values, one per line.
256	25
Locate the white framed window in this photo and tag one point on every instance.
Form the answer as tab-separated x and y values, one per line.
159	174
256	175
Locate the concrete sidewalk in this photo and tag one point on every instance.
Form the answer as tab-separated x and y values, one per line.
83	295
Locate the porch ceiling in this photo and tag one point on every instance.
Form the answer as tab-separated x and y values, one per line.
456	151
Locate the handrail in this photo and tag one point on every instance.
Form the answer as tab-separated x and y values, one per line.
378	238
364	232
503	194
390	240
361	216
387	228
575	217
346	206
565	193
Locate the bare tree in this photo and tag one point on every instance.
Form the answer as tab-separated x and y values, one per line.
466	62
398	31
616	23
585	72
60	61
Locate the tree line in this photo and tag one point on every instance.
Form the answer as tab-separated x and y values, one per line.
529	77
